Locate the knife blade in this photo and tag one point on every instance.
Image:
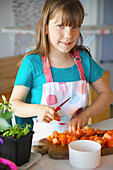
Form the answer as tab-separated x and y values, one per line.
59	107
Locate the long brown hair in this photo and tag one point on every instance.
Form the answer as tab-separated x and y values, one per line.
71	10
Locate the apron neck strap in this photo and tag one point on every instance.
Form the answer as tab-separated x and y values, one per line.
47	70
77	59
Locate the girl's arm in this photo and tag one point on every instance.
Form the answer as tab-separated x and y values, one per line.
104	99
22	109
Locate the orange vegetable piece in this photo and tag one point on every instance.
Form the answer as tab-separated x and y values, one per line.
63	139
100	141
109	143
67	132
92	137
84	138
107	136
90	132
56	141
85	129
74	138
49	138
98	131
110	132
55	134
69	139
78	133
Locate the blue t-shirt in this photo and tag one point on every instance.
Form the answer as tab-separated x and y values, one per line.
30	74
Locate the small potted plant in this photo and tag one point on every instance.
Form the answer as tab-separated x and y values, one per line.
16	140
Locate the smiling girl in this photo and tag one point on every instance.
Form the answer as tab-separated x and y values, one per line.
59	68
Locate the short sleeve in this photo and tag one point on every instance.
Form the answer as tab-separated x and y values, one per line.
25	74
92	70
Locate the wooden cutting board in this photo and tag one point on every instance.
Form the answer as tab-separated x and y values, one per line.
58	151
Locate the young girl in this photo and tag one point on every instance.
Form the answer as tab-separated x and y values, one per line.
59	68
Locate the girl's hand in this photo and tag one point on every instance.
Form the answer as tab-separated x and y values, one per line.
47	114
78	122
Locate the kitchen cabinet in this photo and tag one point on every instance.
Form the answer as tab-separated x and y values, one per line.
86	29
8	70
106	113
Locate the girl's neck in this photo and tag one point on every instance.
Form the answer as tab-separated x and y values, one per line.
62	60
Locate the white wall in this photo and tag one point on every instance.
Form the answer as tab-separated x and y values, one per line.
91	19
6	19
107	65
7	39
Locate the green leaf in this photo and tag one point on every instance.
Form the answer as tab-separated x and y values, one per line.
7	115
17	131
3	124
4	98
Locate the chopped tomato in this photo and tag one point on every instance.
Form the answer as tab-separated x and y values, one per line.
55	134
69	139
84	138
100	141
85	129
107	136
49	138
109	143
110	132
78	133
63	139
98	131
90	132
56	141
67	132
91	137
74	138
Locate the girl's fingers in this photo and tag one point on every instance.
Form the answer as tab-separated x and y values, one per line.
70	128
74	125
45	120
55	114
57	117
48	118
79	125
51	116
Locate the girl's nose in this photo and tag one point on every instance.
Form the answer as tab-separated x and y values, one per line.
67	33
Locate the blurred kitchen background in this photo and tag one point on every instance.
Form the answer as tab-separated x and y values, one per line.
18	20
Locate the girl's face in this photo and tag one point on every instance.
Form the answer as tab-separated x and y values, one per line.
61	38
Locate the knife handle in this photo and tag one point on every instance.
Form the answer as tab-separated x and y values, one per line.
57	108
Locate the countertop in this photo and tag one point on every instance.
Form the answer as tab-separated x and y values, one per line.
46	163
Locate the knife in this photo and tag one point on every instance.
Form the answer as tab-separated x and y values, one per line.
59	107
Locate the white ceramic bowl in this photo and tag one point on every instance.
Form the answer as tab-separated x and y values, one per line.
85	154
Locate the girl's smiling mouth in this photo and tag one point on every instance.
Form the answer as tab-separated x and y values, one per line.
66	43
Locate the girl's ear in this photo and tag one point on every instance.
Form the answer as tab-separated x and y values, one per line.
46	29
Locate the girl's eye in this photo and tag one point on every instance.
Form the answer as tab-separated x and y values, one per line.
60	26
76	27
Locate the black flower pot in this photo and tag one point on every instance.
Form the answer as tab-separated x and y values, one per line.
17	150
